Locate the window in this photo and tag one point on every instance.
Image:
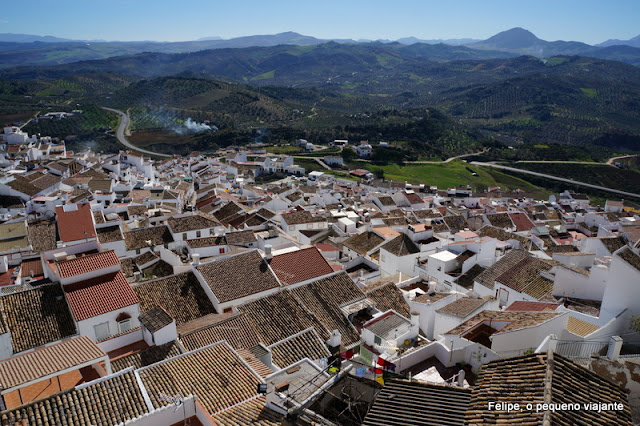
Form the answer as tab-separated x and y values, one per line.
102	331
227	310
221	250
184	236
124	325
137	251
198	234
377	340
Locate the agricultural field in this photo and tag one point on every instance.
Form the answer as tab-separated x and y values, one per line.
158	136
92	122
453	174
607	176
288	150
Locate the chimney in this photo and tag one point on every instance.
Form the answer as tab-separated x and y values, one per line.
4	264
267	252
136	276
415	318
195	259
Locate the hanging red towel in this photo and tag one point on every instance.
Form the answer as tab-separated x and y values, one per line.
382	362
348	354
378	371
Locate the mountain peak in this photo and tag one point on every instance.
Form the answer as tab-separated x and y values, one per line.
515	38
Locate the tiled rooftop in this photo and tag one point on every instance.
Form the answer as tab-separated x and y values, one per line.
281	315
238	330
488	277
216	374
307	344
88	263
388	296
96	296
37	317
76	224
180	295
155	319
543	378
191	223
515	320
238	276
109	234
401	246
404	402
27	367
42	236
146	356
139	238
462	307
364	242
324	297
103	402
300	265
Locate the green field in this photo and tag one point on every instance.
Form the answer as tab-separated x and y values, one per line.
453	174
288	149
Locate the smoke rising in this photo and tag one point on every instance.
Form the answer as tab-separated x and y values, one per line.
191	127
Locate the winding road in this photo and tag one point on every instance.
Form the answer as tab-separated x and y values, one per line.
122	128
560	179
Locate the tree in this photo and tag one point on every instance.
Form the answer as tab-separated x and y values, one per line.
635	323
348	154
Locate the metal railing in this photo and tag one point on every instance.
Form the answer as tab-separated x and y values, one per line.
572	349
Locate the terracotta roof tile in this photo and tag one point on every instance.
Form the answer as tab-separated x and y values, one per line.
521	221
147	356
30	366
364	242
543	378
300	216
401	246
504	264
237	330
515	320
403	402
155	319
521	305
238	276
240	237
251	412
300	265
190	223
37	317
88	263
281	315
307	344
216	374
75	225
96	296
31	268
580	327
109	234
180	295
138	238
104	402
42	236
387	297
462	307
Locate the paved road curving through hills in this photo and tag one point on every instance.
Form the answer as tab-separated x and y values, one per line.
528	172
124	124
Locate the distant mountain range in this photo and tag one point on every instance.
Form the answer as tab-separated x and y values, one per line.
634	42
24	50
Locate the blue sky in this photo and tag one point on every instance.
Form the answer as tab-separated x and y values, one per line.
590	21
